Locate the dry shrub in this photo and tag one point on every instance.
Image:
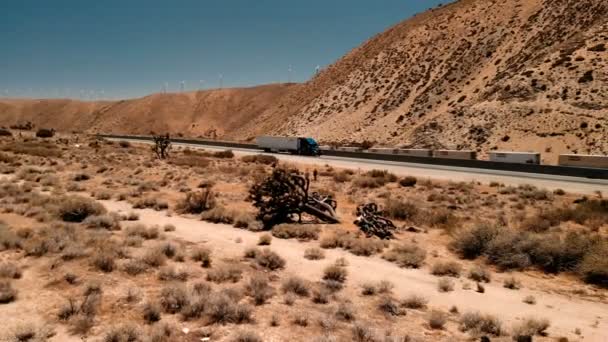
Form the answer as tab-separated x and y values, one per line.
530	300
335	273
8	239
169	228
142	231
414	302
104	261
225	273
390	306
196	202
260	159
296	231
246	336
473	243
246	221
7	292
314	253
174	298
296	285
400	210
446	268
437	319
345	312
9	270
445	285
342	176
30	332
408	181
480	274
152	203
531	327
477	323
442	218
301	318
223	309
368	182
269	260
406	255
265	240
122	333
108	222
190	161
512	283
352	243
258	289
219	214
151	313
154	257
594	266
361	332
134	267
34	148
227	154
77	209
169	273
202	255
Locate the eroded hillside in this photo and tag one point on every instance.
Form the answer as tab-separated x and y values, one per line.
529	75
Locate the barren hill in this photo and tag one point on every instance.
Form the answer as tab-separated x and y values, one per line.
207	113
508	74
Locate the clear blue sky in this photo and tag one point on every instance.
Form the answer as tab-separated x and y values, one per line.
130	48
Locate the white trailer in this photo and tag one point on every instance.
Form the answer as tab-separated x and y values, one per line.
515	157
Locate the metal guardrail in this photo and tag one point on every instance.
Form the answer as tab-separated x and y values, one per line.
580	172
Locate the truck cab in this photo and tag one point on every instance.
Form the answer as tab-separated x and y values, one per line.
309	147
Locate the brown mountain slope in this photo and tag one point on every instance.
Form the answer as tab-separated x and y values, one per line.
480	74
207	113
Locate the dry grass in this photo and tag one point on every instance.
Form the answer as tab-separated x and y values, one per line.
225	273
196	202
314	253
531	327
335	273
352	243
406	255
480	274
400	210
437	319
296	231
202	255
9	270
258	289
269	260
265	240
414	302
219	214
446	268
297	286
445	285
477	323
7	292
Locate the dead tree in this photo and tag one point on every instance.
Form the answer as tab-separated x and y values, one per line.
371	222
283	196
162	145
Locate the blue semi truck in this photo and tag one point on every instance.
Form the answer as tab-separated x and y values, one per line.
294	145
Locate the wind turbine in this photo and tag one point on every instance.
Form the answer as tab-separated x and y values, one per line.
201	82
182	86
289	70
221	81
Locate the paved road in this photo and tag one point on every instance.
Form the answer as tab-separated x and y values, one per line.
449	173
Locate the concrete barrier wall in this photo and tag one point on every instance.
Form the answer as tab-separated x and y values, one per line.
581	172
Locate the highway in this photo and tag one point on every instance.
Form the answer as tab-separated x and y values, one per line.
423	171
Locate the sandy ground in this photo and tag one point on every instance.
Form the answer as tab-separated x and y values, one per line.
566	314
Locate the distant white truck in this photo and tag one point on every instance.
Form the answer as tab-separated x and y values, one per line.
515	157
295	145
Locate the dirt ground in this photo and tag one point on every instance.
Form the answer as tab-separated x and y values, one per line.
60	262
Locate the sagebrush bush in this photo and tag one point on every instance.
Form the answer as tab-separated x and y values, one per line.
134	267
408	181
265	240
151	312
104	261
406	255
170	273
174	298
480	274
225	273
154	257
77	209
531	327
258	289
335	272
414	302
445	285
269	260
472	243
202	255
390	306
296	231
219	214
345	312
400	210
446	268
9	270
352	243
314	253
196	202
260	159
7	292
594	266
437	319
246	336
296	285
478	323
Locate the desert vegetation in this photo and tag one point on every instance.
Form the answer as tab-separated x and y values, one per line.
111	225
